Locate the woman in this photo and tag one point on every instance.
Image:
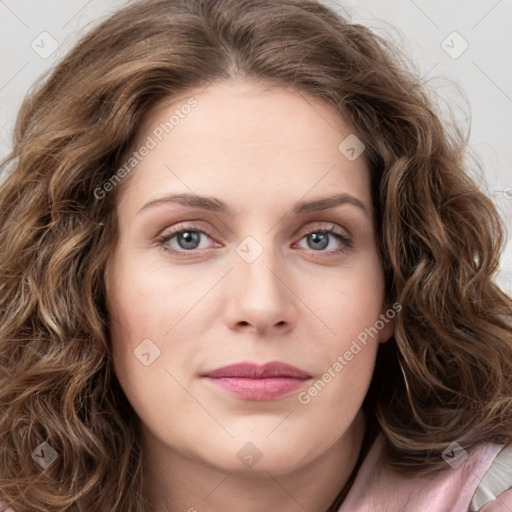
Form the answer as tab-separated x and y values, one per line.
243	269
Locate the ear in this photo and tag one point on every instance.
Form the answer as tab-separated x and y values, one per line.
386	321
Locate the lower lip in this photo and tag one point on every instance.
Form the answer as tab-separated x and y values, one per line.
258	389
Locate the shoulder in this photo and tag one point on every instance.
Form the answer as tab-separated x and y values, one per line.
494	492
479	480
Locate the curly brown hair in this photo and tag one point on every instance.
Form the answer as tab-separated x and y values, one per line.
446	373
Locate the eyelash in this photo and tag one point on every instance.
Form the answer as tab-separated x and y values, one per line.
346	241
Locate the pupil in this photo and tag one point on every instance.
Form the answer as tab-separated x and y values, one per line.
320	238
190	238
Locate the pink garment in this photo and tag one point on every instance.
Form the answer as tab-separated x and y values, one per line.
378	489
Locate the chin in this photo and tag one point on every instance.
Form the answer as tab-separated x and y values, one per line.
243	455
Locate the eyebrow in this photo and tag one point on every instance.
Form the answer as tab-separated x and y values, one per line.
216	205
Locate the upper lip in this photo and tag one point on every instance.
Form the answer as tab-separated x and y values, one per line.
254	371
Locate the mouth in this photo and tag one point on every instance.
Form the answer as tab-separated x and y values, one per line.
253	382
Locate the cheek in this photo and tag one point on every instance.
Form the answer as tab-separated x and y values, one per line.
353	300
347	369
351	310
152	318
146	299
135	312
140	315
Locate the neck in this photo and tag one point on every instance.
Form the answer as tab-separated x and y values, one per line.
176	482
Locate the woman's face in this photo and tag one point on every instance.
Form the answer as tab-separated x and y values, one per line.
253	277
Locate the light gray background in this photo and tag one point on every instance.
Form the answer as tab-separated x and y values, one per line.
424	30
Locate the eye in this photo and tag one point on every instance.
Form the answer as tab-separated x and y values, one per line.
187	239
320	239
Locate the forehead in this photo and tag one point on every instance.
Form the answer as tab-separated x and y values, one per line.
254	139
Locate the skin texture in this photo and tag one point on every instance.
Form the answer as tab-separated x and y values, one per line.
259	149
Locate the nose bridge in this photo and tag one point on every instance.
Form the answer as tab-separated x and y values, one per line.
259	296
257	264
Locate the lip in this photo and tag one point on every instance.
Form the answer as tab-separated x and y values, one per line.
258	382
255	371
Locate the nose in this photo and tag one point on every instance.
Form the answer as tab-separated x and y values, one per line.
261	297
